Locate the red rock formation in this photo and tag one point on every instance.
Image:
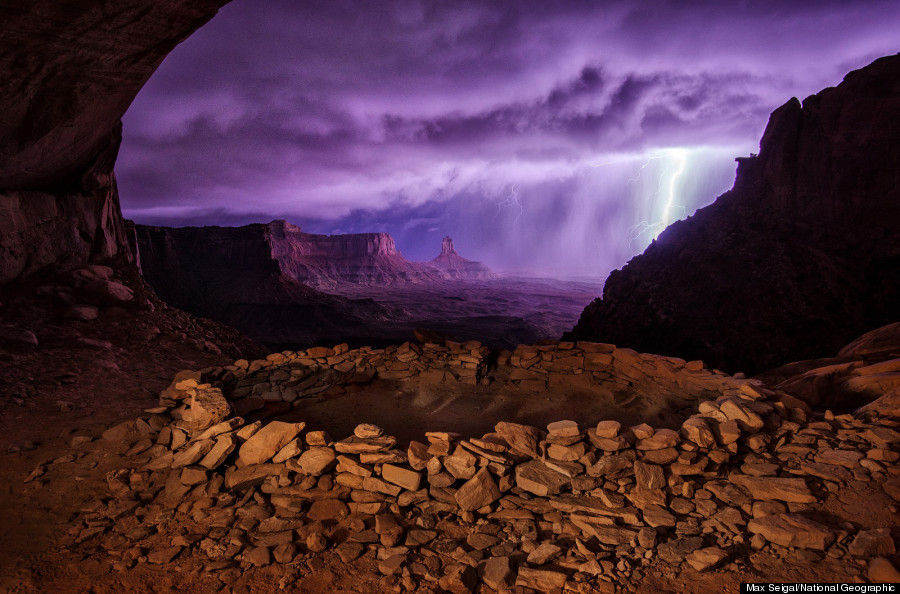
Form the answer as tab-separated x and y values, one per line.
322	262
802	255
455	266
328	261
68	72
233	275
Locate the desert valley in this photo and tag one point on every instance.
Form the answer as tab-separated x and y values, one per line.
256	407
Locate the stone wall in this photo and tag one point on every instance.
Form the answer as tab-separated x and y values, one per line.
543	508
293	375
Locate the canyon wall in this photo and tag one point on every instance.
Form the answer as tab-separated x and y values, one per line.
323	262
328	261
799	257
68	72
233	275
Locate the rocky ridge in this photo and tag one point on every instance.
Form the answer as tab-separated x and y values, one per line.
798	258
323	262
569	507
233	275
268	280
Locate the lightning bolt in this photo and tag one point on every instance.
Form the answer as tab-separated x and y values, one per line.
674	173
512	201
634	179
637	176
681	164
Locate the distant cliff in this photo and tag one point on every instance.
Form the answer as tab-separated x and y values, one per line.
318	261
232	275
802	255
268	279
328	261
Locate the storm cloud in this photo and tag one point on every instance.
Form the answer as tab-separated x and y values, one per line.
495	121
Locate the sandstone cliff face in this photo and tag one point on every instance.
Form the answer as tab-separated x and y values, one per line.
68	72
43	229
233	275
799	257
323	262
329	261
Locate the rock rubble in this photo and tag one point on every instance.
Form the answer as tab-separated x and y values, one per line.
562	507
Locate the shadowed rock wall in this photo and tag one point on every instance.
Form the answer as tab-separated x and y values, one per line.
68	72
799	257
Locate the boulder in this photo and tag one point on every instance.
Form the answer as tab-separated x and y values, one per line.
703	559
536	478
207	408
869	543
791	490
107	292
792	530
328	510
403	477
521	438
649	476
541	580
477	492
316	461
497	573
883	571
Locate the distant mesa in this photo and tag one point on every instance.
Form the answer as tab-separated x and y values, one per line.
281	285
322	262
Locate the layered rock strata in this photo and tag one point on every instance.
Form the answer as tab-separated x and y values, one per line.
235	275
323	262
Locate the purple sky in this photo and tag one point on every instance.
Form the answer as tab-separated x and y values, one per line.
547	136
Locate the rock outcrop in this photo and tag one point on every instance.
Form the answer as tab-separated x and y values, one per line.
68	72
451	264
323	262
799	257
329	261
235	275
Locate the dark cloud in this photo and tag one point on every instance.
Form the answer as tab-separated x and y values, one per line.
410	114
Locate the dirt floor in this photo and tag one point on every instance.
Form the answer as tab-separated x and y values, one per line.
406	411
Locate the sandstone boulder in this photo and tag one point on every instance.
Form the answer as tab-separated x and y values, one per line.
791	490
316	461
268	441
869	543
703	559
208	407
521	438
535	477
107	292
792	530
477	492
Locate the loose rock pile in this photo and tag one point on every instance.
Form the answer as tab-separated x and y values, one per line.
566	507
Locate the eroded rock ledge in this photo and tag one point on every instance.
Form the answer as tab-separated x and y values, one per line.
580	508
